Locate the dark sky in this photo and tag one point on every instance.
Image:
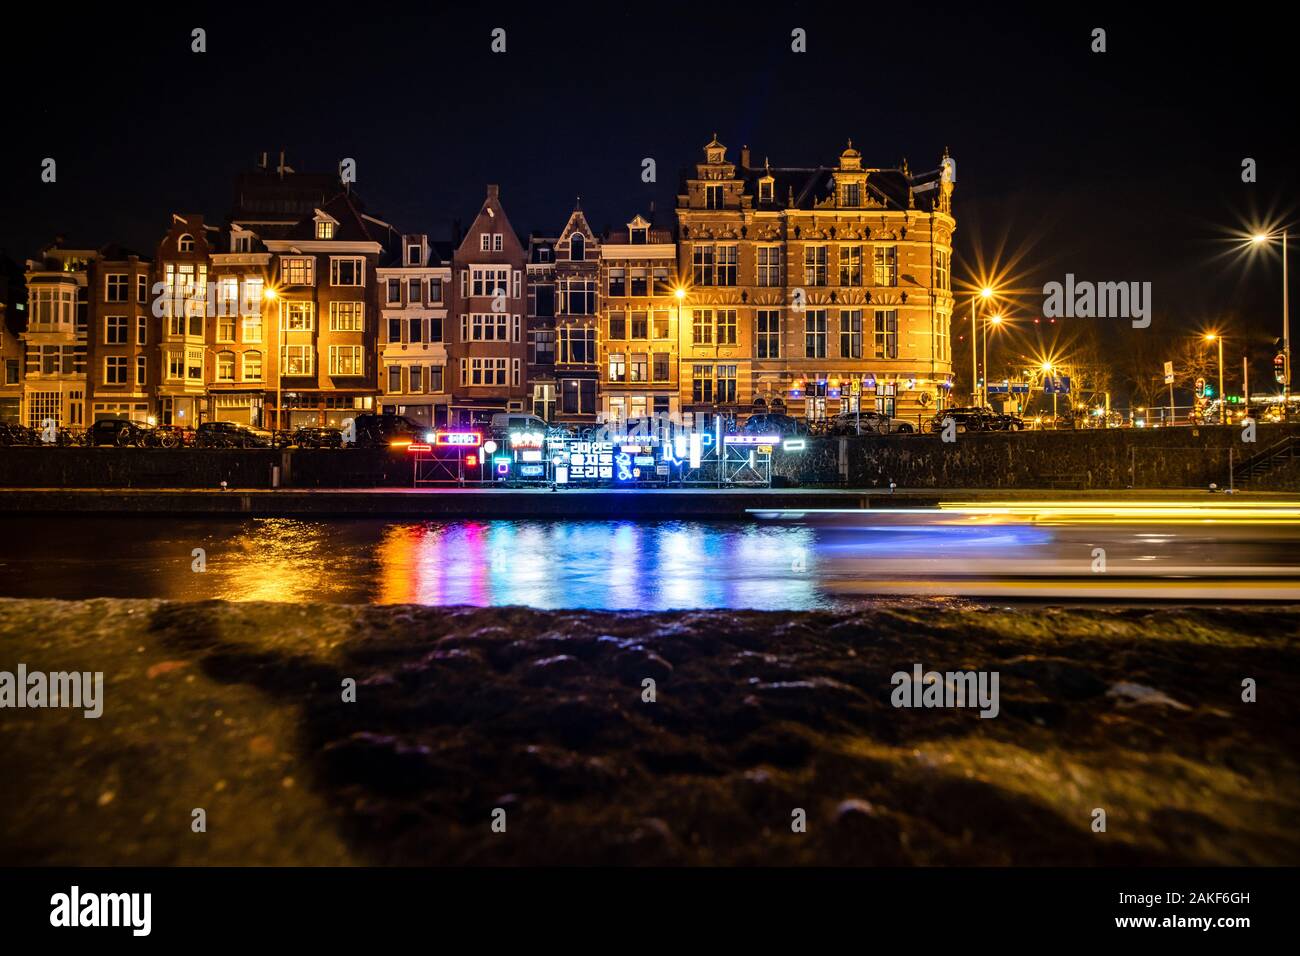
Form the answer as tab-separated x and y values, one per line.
1116	166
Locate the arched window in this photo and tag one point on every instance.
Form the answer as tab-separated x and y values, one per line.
185	243
225	366
252	366
577	247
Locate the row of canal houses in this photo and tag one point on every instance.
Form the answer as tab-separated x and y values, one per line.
808	291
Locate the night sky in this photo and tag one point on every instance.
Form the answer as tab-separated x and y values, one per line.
1117	166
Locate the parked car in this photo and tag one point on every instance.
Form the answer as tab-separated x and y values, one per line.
505	422
374	431
232	435
313	436
1004	421
768	423
120	432
15	434
868	423
967	419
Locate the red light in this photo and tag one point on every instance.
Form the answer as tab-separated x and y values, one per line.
471	460
420	448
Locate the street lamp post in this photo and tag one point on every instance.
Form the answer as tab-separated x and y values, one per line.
680	294
996	320
270	295
1262	237
985	293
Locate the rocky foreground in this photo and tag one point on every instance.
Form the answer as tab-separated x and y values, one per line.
237	709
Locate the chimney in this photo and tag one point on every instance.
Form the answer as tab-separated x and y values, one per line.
744	157
262	164
457	233
493	191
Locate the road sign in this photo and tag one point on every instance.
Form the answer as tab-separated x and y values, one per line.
1056	384
1169	373
855	386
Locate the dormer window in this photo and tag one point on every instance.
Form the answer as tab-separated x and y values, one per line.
243	242
852	195
766	189
638	236
714	197
185	243
577	247
413	255
324	229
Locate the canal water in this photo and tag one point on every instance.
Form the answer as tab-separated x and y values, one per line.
569	564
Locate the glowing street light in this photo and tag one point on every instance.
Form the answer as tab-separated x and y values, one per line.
985	293
997	321
1259	239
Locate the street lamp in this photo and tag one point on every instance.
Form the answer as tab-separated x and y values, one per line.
996	320
985	293
1258	239
1047	373
270	295
680	294
1223	404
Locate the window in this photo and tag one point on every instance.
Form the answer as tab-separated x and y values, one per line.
640	325
141	369
435	330
726	334
769	265
115	330
617	367
544	297
415	330
702	327
660	366
485	242
349	272
662	325
726	268
541	347
435	291
243	242
852	195
394	295
298	360
851	333
115	370
886	265
489	280
226	328
496	242
252	329
724	390
577	247
702	383
324	229
618	325
299	270
416	376
185	243
886	333
814	265
414	291
11	371
116	287
942	343
886	398
299	317
815	333
394	379
413	256
766	188
227	295
347	316
715	265
638	236
142	288
254	290
640	282
577	346
225	366
640	367
702	262
252	366
617	282
394	330
435	378
484	327
769	333
851	265
663	285
714	197
942	272
578	297
194	365
578	397
175	364
491	371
